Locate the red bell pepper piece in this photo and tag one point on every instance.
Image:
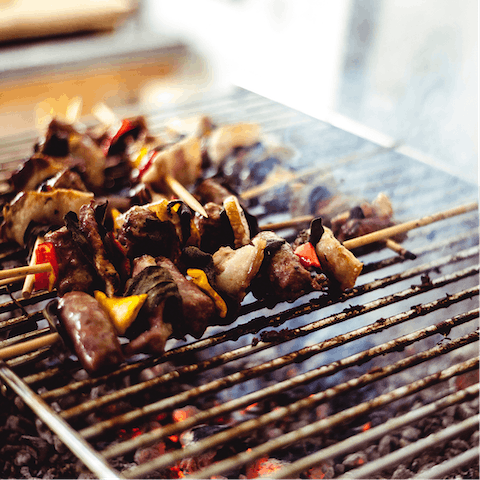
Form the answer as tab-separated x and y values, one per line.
125	127
147	165
307	255
45	253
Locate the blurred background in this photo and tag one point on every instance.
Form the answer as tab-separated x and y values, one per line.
403	71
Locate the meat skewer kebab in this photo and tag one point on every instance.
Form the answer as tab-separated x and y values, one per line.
31	345
156	174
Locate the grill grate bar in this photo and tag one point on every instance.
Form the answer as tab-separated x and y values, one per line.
304	432
224	358
301	379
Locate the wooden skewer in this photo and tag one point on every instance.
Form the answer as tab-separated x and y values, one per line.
28	346
405	227
24	271
380	235
179	190
397	248
292	222
74	109
30	278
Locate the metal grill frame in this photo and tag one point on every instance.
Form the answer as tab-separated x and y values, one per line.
351	161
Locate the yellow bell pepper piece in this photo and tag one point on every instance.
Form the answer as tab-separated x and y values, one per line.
199	278
121	310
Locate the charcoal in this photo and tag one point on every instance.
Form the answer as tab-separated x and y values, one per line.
402	472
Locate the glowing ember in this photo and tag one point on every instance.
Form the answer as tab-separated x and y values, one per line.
181	414
367	426
264	467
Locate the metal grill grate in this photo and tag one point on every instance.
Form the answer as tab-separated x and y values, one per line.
406	331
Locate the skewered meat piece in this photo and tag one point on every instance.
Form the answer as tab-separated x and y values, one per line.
142	232
163	301
75	272
223	140
91	332
235	269
182	161
72	148
363	219
336	260
198	308
48	208
67	178
33	171
282	277
86	231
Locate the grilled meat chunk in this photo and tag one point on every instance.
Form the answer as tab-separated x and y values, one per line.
282	277
91	332
198	308
163	302
143	233
339	262
235	269
47	208
75	272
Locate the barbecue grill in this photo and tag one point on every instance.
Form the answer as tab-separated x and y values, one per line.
304	389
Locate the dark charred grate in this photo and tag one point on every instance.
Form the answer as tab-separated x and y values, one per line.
295	384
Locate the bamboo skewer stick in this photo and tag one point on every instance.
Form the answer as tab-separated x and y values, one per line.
385	233
179	190
24	271
30	278
28	346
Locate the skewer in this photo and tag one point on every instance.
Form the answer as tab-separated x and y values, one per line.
383	234
74	109
28	346
18	272
106	116
397	248
30	278
179	190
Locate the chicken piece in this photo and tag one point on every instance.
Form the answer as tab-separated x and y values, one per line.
72	148
225	139
47	208
337	261
282	277
235	269
34	171
182	161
